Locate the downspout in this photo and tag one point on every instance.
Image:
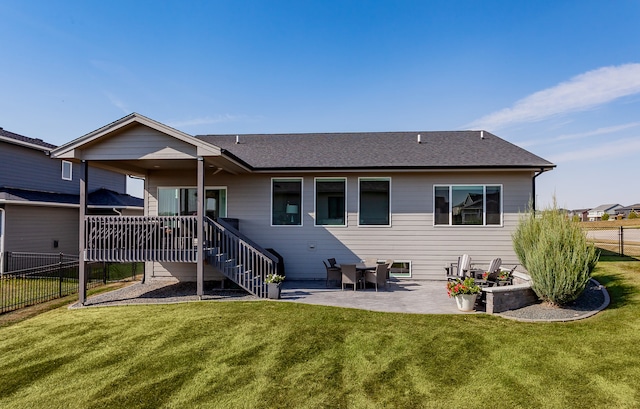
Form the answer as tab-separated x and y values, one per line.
2	229
533	189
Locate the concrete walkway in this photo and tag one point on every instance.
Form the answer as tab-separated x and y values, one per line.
423	297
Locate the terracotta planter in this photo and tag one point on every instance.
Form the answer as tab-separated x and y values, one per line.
466	302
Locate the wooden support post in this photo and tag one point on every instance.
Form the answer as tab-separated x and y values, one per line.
82	264
200	226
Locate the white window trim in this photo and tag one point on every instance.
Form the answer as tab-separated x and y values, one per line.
315	201
70	165
287	179
484	209
390	210
410	269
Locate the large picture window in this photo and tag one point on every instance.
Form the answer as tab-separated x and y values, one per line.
374	202
286	202
468	205
330	202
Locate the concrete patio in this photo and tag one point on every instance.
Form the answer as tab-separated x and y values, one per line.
405	296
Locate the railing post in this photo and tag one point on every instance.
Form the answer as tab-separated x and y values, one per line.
621	241
60	275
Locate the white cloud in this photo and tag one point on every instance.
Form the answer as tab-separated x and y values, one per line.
582	92
580	135
611	149
207	120
118	103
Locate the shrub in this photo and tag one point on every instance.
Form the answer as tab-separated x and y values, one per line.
605	217
633	215
556	253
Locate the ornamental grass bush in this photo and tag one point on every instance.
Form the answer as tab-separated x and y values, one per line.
556	253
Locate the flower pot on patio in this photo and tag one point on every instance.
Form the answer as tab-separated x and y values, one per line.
273	291
466	302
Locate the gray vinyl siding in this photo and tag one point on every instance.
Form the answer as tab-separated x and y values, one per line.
26	168
411	236
140	142
34	228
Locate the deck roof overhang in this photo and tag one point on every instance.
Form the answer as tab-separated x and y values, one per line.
136	144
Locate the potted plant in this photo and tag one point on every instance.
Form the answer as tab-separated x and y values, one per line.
274	282
465	292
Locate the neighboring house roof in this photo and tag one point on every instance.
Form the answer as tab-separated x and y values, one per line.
631	207
98	198
371	150
12	137
605	208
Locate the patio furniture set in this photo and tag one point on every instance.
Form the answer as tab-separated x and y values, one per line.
368	271
494	275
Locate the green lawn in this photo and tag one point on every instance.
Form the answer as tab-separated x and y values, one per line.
276	355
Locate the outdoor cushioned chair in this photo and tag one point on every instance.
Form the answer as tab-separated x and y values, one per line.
389	263
349	275
333	273
377	277
460	269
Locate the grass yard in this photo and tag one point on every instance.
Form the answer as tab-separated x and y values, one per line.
276	355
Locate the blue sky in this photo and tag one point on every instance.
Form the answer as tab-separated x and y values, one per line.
559	78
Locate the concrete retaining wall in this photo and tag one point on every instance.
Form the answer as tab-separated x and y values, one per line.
510	297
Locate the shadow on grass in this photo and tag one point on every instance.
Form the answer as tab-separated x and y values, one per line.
620	290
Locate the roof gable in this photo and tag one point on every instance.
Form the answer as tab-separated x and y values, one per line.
135	137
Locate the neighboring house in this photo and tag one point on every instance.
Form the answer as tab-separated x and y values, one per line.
39	197
420	198
625	211
583	214
596	213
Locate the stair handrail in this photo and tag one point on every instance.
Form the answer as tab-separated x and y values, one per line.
226	226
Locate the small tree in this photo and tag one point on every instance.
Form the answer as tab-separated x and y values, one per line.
556	253
605	217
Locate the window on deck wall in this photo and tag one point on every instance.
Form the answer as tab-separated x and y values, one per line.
286	202
330	202
469	205
374	202
175	201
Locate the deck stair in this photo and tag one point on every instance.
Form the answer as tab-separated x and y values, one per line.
237	257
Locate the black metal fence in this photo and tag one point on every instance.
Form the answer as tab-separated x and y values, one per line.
622	240
44	282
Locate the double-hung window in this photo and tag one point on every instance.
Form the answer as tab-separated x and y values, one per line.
286	202
467	205
374	204
67	170
330	201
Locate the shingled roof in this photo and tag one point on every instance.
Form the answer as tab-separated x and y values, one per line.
101	197
24	140
373	150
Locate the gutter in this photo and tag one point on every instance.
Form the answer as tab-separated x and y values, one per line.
533	189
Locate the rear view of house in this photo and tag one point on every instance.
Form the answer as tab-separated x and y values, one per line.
214	203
